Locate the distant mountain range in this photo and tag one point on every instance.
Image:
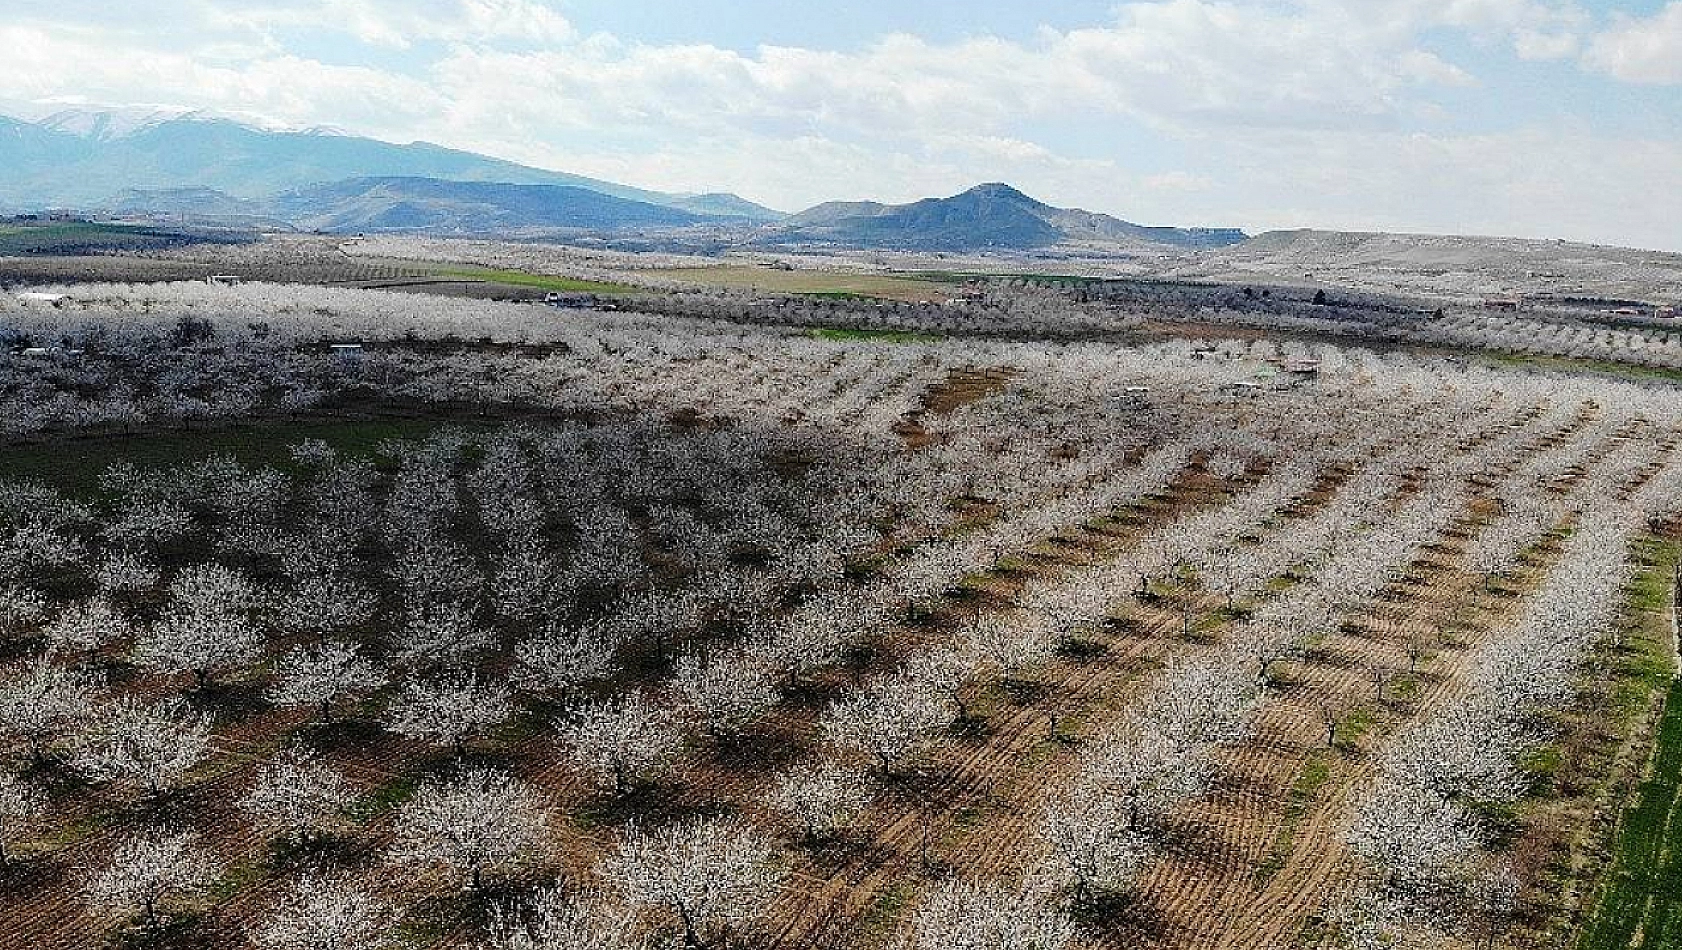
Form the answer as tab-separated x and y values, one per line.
431	204
208	169
991	215
81	158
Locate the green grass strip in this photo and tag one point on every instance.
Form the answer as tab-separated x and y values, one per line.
879	336
517	278
1639	906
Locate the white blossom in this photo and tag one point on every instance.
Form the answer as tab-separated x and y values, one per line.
474	823
707	876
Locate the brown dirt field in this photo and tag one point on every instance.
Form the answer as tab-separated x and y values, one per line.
959	389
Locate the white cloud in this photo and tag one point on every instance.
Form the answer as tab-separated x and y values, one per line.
72	65
1537	182
401	23
1546	45
1641	50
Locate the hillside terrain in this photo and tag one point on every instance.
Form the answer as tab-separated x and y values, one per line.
428	204
988	216
86	158
1447	265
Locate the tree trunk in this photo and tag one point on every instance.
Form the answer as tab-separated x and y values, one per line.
691	939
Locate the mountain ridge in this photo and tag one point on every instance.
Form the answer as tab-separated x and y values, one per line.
991	215
395	203
77	158
208	167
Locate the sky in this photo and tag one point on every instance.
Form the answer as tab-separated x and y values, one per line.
1537	118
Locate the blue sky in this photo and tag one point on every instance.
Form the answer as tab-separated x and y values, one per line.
1545	118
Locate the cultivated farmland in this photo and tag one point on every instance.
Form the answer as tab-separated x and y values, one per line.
720	621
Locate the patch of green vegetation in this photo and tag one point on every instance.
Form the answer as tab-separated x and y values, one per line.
236	878
71	833
1011	564
876	336
1405	687
383	799
1639	903
886	909
1316	772
1543	762
418	931
74	464
516	278
1352	727
1570	364
69	236
837	295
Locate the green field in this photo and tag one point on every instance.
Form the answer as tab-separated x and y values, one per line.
1567	364
515	278
75	464
809	282
880	336
60	237
1639	906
